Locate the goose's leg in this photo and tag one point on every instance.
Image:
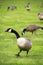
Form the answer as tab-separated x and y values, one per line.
19	53
35	33
32	32
27	53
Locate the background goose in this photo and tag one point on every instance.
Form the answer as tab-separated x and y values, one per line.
24	44
40	15
31	28
11	7
28	7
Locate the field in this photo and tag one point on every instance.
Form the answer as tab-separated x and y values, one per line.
19	19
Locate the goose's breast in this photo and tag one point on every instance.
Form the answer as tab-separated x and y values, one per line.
24	43
21	42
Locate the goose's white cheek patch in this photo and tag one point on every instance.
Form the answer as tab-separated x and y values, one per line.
23	33
9	30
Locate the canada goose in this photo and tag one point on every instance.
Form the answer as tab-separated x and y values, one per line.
31	28
40	15
12	7
28	7
24	44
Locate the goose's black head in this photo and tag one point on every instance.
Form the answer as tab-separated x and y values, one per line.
13	31
24	30
9	30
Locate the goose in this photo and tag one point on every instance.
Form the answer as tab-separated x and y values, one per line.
11	7
28	7
40	15
31	28
24	44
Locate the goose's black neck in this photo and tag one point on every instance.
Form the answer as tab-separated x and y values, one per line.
24	30
16	33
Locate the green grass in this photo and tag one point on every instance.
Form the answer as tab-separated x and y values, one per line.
18	19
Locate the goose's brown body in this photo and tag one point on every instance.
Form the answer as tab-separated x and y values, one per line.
31	28
24	44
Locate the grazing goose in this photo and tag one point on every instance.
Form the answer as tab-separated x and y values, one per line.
31	28
11	7
24	44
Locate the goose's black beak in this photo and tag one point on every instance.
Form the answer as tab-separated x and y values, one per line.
6	31
22	33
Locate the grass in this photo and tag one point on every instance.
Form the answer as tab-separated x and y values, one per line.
18	19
